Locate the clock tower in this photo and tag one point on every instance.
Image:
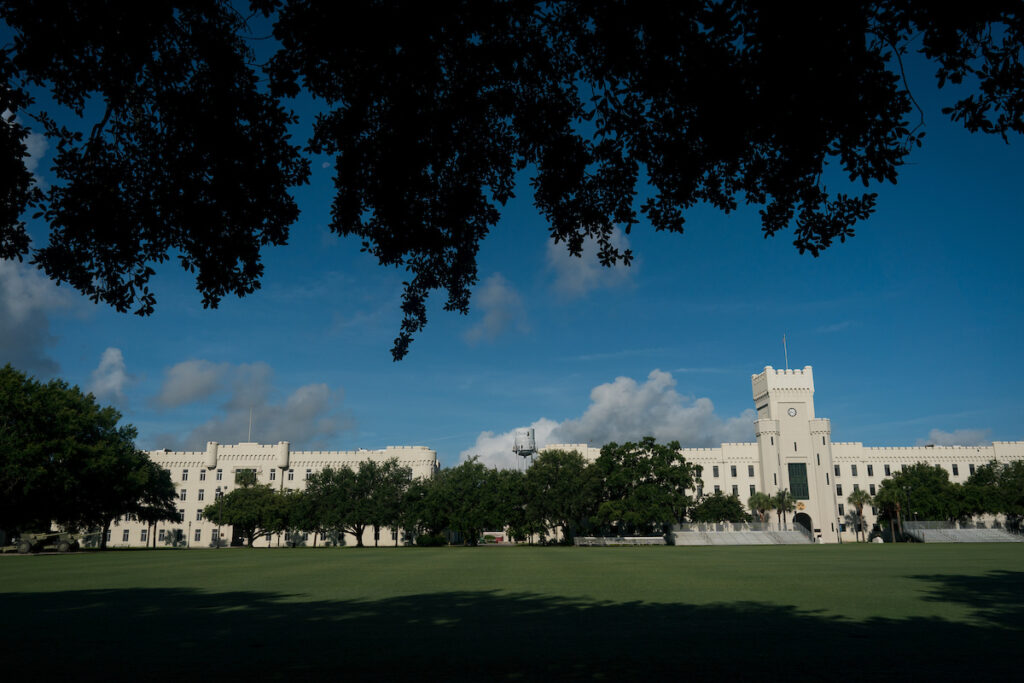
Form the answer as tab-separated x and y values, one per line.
795	447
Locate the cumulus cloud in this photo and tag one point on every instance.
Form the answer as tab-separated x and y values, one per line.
36	146
502	309
575	277
27	297
958	437
627	410
308	417
110	378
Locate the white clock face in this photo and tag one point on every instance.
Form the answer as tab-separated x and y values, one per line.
792	412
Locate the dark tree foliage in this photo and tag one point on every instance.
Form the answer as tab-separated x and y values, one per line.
719	507
254	511
996	488
65	459
643	486
430	112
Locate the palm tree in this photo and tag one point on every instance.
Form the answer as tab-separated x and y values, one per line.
761	503
890	499
784	502
859	498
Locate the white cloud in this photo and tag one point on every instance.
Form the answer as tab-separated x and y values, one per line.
575	277
110	378
36	145
502	309
307	417
626	410
26	298
958	437
495	450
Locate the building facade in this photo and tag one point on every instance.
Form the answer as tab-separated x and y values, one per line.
793	449
201	477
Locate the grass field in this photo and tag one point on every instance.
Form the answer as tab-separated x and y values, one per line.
803	612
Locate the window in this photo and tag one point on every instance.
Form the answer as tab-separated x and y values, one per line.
218	494
822	441
839	490
798	481
144	535
773	440
735	490
841	512
853	470
837	469
291	475
971	469
124	536
826	478
888	472
775	479
871	489
718	489
184	475
214	534
818	456
956	471
202	475
108	535
220	475
874	510
714	471
856	487
273	474
160	536
198	535
732	470
700	491
794	445
199	515
394	534
750	470
181	515
309	473
752	489
182	495
903	467
202	494
871	470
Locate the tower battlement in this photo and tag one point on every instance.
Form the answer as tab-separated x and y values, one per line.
771	379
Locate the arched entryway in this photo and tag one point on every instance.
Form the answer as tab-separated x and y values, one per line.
804	520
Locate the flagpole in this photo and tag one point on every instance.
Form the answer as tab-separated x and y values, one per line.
785	351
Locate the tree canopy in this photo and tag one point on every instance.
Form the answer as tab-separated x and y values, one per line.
65	459
172	125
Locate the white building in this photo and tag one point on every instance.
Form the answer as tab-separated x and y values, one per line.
794	450
201	476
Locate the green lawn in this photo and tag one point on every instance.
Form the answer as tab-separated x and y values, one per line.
951	611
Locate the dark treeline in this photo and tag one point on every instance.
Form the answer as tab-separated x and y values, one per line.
631	489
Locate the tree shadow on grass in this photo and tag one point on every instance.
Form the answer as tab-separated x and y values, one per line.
997	597
161	634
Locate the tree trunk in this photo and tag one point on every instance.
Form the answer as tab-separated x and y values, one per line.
103	536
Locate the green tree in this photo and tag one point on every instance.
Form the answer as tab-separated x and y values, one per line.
719	507
996	488
643	486
473	499
430	112
388	483
560	491
890	498
761	504
253	511
784	502
858	499
64	458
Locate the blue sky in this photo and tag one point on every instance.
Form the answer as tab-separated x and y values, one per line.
913	327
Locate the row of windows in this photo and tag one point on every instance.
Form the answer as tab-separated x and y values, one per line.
714	471
202	475
309	473
888	470
735	490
